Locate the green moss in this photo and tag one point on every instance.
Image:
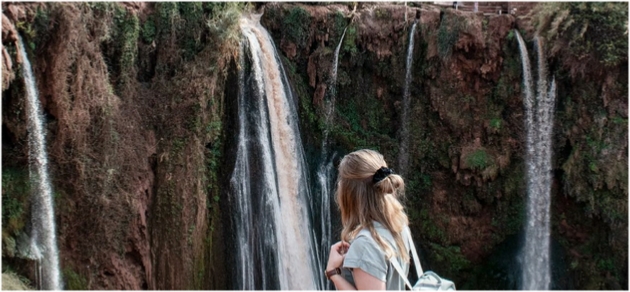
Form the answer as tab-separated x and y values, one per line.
429	228
223	23
349	41
126	34
167	13
619	120
449	259
612	209
478	159
178	145
295	26
597	28
312	121
192	28
16	188
213	157
340	23
448	34
149	30
73	280
496	123
381	13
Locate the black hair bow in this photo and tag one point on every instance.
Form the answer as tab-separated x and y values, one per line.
381	174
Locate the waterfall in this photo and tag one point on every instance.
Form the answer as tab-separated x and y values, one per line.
325	171
403	155
539	127
276	243
332	86
43	238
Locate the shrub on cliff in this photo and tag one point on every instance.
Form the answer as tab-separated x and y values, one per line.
586	33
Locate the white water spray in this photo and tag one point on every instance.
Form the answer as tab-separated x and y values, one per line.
276	241
403	155
539	126
44	240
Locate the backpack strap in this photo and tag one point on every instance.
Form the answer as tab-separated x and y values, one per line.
414	253
399	269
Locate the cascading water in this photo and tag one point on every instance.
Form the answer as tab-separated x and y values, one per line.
539	125
43	238
276	243
403	155
332	92
325	170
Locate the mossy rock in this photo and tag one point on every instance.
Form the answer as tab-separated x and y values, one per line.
11	281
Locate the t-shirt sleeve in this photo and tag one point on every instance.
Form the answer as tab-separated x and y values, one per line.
364	253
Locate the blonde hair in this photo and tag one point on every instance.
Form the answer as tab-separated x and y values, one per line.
361	201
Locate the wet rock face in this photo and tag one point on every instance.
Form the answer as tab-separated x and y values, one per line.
128	160
134	118
466	191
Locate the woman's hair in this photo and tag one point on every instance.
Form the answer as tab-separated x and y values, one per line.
362	201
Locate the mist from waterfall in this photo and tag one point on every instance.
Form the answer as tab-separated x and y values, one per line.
43	237
276	242
539	115
403	155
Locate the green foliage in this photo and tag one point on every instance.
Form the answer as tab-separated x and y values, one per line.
73	280
166	16
349	41
16	189
509	211
149	30
429	228
613	211
178	145
448	34
510	35
585	28
381	13
619	120
192	28
213	155
450	260
425	182
125	34
478	159
340	23
362	123
14	281
25	28
223	22
313	122
495	123
295	26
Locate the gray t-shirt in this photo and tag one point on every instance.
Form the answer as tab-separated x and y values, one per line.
366	254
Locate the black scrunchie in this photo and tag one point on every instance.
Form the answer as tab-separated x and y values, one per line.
381	174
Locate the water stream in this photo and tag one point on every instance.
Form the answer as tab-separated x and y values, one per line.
325	172
403	155
43	237
269	181
539	127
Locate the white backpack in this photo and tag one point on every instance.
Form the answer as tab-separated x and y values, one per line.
427	280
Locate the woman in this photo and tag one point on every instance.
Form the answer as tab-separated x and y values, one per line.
367	194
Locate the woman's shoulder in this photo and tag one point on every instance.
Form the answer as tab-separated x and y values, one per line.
364	247
364	242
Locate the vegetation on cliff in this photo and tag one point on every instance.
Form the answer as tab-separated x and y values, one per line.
137	98
466	193
133	95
